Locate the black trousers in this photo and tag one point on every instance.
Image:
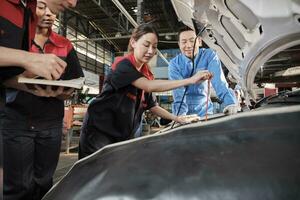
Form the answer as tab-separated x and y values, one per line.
1	166
29	162
1	141
91	140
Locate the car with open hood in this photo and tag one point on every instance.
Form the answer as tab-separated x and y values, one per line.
257	41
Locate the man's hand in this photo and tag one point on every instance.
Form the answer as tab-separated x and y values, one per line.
231	109
67	94
201	76
48	66
186	119
59	93
48	92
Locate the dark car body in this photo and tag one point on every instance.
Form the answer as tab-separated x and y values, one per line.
253	155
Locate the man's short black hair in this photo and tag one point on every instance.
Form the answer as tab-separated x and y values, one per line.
183	29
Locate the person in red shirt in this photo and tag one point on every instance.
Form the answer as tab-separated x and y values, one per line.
28	175
17	29
115	114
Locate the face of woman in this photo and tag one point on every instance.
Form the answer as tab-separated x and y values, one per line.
45	17
145	47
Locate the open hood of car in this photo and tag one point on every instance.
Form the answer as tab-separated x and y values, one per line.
258	41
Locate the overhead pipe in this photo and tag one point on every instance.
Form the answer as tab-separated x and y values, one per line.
140	11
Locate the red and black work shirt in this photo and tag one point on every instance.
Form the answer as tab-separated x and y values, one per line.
17	29
117	111
42	112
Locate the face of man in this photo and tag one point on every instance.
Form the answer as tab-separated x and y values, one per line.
186	43
57	6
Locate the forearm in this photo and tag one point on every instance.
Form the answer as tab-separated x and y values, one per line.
224	93
12	57
180	119
160	85
165	85
219	82
48	66
162	113
230	98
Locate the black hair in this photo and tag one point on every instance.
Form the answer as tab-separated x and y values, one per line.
183	29
141	30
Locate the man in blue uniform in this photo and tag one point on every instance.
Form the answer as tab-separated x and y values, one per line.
181	67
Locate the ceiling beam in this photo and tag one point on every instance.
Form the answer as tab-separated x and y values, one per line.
82	24
115	38
98	2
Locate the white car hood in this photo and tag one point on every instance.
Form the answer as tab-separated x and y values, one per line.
244	33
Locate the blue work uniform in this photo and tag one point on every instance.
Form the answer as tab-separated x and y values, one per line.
194	102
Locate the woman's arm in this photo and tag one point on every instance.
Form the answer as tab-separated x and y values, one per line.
182	119
165	85
163	113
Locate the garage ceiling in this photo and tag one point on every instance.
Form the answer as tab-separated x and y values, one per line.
102	21
108	21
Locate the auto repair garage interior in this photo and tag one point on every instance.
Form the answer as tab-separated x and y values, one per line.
260	58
